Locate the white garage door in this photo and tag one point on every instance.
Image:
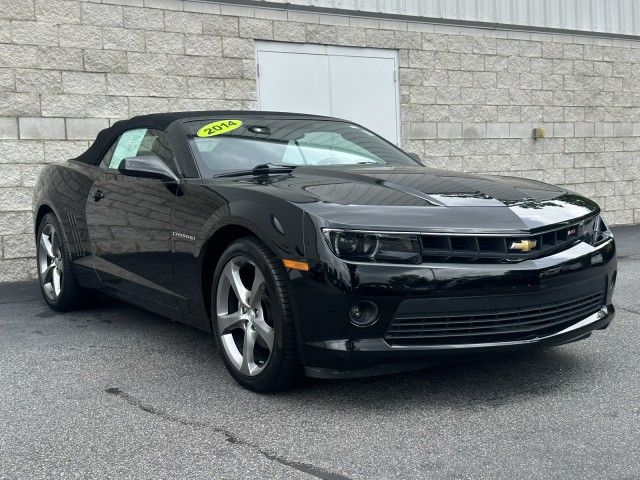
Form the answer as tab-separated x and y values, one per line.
358	84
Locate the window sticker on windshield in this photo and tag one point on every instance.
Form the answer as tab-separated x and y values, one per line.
127	146
218	128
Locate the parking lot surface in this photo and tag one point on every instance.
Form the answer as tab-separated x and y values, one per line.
116	392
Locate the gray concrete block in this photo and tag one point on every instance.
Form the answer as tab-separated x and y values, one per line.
39	128
85	128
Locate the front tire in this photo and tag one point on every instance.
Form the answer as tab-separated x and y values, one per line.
57	280
253	319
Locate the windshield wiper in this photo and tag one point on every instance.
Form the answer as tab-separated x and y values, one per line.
262	169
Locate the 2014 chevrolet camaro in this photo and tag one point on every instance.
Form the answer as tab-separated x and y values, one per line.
309	244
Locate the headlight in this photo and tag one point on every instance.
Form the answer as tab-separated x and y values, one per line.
601	232
373	246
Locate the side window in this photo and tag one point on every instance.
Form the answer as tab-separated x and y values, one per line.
137	142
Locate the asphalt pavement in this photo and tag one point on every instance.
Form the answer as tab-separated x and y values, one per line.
116	392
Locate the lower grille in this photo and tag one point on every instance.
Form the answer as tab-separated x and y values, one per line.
504	325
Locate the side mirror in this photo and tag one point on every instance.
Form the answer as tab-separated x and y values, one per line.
415	156
147	166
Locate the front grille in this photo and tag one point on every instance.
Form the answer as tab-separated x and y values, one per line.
500	249
503	325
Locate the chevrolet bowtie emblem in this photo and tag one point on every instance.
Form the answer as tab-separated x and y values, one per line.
523	245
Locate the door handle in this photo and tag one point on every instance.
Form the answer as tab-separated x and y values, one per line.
98	195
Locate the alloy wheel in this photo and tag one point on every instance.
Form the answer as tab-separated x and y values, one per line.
244	316
50	262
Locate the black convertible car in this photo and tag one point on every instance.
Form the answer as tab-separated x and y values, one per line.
309	244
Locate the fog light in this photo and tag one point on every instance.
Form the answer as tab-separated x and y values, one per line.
363	314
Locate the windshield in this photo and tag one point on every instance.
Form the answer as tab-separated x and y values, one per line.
229	145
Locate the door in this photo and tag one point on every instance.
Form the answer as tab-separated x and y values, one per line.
129	221
286	80
358	84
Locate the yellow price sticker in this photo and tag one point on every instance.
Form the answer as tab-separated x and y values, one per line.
218	128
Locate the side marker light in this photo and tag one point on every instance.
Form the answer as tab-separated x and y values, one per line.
296	265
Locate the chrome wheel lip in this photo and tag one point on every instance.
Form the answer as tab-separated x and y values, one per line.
248	319
50	262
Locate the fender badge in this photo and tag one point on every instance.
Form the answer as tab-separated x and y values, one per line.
183	235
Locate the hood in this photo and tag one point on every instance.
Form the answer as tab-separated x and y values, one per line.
421	186
423	199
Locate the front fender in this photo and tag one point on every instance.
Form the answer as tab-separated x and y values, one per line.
207	218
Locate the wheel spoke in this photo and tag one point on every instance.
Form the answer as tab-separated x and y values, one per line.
248	361
55	243
230	321
264	331
42	252
57	281
47	273
46	242
256	289
232	272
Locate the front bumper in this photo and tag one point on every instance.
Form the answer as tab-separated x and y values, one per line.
376	357
332	347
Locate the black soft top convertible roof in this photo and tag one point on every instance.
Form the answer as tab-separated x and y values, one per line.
161	121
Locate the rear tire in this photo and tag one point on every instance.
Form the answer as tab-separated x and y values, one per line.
253	318
58	283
